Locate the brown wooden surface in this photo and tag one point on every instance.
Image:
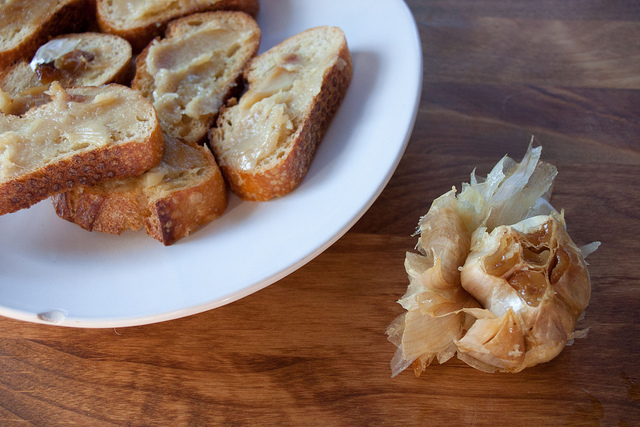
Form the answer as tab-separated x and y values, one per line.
311	349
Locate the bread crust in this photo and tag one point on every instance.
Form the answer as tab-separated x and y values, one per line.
80	170
71	16
265	184
183	212
84	169
93	210
166	219
142	33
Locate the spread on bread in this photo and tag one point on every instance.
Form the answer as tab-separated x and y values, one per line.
170	201
193	70
86	59
140	21
264	144
84	136
115	161
187	76
265	118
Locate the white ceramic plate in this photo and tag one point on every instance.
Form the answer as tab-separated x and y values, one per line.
52	271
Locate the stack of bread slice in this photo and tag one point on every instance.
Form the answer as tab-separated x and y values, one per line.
200	98
187	76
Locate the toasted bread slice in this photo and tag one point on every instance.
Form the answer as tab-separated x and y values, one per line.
140	21
84	136
172	200
265	143
190	73
83	59
186	190
26	25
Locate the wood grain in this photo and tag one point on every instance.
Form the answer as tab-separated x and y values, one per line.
311	349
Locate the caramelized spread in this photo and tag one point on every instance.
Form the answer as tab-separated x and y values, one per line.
64	68
147	9
267	114
531	262
279	80
137	9
179	161
20	104
185	71
68	124
71	61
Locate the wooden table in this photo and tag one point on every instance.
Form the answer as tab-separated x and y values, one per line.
311	349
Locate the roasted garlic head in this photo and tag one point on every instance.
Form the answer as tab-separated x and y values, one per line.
533	279
498	280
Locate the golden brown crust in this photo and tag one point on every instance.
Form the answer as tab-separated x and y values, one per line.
167	218
96	210
81	170
70	16
142	34
184	211
282	178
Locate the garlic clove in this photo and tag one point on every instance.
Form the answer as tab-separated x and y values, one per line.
533	269
497	343
443	232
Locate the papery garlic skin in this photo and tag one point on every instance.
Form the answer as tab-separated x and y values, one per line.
494	343
533	270
434	298
510	193
444	232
